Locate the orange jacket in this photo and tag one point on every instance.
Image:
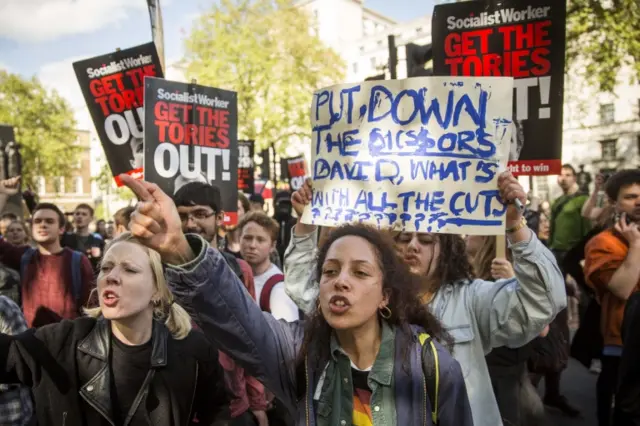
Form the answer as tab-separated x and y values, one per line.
603	256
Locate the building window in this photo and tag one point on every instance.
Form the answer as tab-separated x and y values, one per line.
79	188
419	30
542	186
373	62
607	114
609	149
58	185
42	185
379	43
355	68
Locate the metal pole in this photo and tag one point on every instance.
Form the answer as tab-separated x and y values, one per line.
157	31
393	57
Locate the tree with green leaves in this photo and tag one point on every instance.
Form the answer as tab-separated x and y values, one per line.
265	51
44	127
104	181
605	36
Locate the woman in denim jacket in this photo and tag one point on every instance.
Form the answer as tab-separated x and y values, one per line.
361	357
479	315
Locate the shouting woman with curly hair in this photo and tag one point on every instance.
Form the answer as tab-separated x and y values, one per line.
479	315
366	356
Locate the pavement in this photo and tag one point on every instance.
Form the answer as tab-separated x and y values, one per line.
579	386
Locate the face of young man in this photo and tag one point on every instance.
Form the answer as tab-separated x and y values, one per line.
82	218
201	220
255	244
46	227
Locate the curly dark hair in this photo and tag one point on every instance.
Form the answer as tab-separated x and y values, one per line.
401	285
453	262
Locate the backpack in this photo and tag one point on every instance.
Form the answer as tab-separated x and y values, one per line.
76	271
265	294
431	371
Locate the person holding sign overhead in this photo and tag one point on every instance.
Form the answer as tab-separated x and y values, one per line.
479	315
368	355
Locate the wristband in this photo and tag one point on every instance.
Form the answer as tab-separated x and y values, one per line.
518	227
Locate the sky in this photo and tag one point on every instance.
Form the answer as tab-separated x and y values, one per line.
44	37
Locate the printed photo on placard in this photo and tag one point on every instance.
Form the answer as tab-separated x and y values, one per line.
113	88
523	39
246	168
191	135
10	166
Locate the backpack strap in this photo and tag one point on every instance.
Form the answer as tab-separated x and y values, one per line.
24	262
431	371
76	276
265	294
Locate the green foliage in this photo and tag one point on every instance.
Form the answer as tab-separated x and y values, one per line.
106	185
606	35
44	126
264	50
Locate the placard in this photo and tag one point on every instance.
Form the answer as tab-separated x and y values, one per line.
191	135
524	39
113	87
296	172
421	154
246	167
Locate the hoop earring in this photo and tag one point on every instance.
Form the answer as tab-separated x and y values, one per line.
385	312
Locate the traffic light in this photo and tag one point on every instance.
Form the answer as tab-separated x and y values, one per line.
417	57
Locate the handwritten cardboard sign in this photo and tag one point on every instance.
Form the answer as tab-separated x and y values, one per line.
419	155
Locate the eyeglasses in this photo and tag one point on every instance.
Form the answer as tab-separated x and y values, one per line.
197	216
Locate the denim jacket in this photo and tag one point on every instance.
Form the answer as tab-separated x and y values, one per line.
479	315
268	349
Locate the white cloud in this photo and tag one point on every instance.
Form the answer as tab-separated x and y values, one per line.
40	20
61	77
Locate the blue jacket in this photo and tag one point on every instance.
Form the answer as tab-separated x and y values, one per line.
268	349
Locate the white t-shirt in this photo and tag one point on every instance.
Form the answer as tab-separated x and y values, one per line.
282	307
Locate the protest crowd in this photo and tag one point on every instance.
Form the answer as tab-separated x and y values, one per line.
172	316
403	277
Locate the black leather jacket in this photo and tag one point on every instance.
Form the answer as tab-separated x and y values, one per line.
67	366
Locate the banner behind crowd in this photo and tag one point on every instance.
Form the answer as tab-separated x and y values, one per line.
421	154
523	39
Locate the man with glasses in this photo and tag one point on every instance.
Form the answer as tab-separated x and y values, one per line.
199	206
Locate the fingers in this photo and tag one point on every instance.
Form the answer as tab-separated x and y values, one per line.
138	187
144	226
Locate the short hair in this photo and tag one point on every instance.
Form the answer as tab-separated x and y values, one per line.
123	216
261	219
570	167
10	216
256	198
101	221
620	180
198	194
84	206
50	206
244	201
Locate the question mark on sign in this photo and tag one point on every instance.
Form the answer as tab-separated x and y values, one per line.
419	219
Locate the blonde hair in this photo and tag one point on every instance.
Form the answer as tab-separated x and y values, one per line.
175	317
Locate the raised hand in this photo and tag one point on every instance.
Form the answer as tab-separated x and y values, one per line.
629	231
302	197
10	186
156	222
501	269
510	190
